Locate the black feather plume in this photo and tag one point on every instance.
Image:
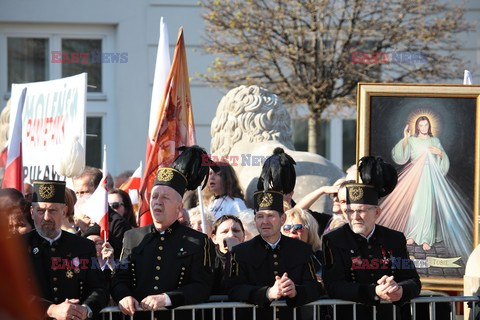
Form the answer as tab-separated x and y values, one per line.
376	172
278	173
194	164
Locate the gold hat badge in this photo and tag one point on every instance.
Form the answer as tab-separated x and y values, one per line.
165	174
265	200
355	193
46	191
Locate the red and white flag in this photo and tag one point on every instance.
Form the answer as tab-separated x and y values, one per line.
97	204
13	175
133	183
175	126
162	67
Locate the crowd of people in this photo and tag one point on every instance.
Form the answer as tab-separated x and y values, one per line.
277	250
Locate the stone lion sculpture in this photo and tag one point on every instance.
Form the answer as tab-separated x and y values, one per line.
249	124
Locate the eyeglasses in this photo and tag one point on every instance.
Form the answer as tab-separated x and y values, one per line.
292	227
359	211
116	205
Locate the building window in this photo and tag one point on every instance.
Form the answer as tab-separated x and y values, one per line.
27	60
300	136
84	56
94	142
349	143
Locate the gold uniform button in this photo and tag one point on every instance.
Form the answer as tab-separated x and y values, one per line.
371	274
160	248
55	279
155	288
181	278
369	247
157	278
275	272
52	249
182	273
183	268
157	267
275	255
81	288
275	263
55	299
55	289
162	238
159	258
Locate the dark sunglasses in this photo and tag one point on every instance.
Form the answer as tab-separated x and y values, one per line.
289	227
116	205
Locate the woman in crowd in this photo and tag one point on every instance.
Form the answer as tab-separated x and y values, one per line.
120	202
68	224
196	220
326	221
14	205
223	193
301	225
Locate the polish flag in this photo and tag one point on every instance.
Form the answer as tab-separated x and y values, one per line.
13	175
162	69
175	126
133	183
97	204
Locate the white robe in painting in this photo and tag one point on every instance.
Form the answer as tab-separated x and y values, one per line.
425	205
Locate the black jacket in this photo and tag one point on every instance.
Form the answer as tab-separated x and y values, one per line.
176	263
64	270
348	277
254	266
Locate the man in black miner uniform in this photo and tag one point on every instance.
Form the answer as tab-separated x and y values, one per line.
168	264
365	262
62	262
271	266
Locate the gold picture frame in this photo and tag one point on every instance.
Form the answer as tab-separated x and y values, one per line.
435	202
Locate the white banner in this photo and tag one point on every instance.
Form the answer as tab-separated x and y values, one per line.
54	112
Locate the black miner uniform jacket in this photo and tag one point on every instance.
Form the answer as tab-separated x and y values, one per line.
254	266
353	265
64	270
176	262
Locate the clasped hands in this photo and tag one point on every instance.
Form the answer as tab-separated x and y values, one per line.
129	305
283	287
388	289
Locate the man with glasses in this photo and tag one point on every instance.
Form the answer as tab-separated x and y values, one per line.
365	262
272	266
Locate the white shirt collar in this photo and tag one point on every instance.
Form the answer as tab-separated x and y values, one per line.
52	240
273	245
370	234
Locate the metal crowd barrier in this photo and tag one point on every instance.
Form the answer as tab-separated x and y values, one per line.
217	303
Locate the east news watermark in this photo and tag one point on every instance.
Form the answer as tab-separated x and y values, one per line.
396	57
89	57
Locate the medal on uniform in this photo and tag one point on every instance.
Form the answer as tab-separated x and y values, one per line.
69	273
35	250
76	264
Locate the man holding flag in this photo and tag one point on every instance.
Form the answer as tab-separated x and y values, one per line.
89	183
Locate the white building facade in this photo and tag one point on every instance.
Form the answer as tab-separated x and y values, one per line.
118	100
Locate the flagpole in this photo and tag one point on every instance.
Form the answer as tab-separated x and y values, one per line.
202	209
105	177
